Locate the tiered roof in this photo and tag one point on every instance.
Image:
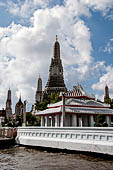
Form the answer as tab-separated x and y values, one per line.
78	92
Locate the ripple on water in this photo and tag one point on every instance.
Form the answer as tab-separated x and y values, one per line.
22	158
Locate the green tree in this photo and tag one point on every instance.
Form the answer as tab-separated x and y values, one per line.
111	104
107	101
31	119
19	120
53	98
42	105
101	121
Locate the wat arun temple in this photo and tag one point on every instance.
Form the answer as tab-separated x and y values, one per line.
55	83
76	108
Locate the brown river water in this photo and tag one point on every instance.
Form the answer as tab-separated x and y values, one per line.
22	158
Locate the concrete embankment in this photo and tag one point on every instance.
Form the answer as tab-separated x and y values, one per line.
84	139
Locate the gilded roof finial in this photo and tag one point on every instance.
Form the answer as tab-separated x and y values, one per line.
56	38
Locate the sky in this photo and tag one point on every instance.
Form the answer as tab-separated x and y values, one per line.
27	34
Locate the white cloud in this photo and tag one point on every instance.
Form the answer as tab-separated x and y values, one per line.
82	7
98	4
24	9
2	4
77	8
110	16
109	46
26	51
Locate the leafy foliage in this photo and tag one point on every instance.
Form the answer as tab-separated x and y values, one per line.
53	98
101	121
109	101
31	120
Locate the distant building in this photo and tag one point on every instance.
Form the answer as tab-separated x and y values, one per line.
9	105
2	116
39	95
55	83
106	94
19	108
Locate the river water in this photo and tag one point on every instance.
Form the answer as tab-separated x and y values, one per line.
22	158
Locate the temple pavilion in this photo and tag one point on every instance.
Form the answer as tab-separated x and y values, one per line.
76	109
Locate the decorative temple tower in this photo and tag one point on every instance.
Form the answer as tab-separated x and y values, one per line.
8	105
19	107
55	83
106	93
38	96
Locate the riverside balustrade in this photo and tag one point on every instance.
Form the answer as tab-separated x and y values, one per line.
6	132
81	139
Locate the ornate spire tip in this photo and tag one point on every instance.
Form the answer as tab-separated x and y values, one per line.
39	75
56	38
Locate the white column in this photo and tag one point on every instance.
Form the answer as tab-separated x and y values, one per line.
74	120
56	121
91	121
80	121
45	121
61	121
63	111
108	120
51	121
42	121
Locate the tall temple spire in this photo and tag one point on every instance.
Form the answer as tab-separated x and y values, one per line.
38	96
106	93
56	49
55	83
9	105
19	107
56	37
